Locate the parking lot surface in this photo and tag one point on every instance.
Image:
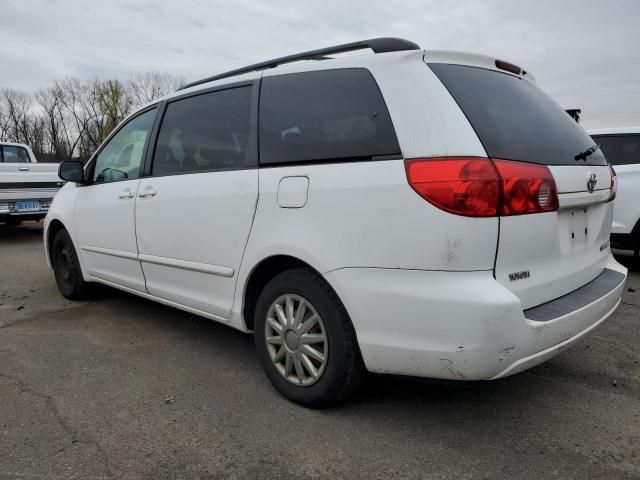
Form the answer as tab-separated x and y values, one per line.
121	387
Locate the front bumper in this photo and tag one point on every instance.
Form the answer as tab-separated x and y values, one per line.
456	325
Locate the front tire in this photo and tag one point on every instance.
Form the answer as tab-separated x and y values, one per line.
305	341
66	267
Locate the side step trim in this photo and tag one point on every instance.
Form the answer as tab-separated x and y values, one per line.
604	283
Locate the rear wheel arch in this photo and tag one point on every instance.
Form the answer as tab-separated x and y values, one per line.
261	274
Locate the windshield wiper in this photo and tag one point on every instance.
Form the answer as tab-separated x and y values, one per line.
587	152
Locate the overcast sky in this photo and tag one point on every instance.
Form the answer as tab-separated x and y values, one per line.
584	53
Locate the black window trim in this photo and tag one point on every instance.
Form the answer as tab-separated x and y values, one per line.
252	145
614	135
336	160
91	164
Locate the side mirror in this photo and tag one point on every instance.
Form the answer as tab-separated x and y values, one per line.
71	171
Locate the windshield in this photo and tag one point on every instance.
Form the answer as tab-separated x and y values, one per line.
514	119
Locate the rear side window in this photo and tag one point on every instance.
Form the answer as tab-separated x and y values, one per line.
206	132
328	115
514	119
620	149
13	154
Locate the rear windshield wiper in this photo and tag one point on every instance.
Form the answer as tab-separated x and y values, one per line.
587	152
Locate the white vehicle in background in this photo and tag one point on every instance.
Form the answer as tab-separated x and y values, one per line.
26	186
408	212
621	146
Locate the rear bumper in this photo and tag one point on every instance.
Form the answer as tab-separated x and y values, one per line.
9	208
457	325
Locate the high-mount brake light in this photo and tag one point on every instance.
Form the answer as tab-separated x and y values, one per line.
614	184
483	187
509	67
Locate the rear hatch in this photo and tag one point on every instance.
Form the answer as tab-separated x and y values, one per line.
540	256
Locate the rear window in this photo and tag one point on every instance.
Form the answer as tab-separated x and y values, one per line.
514	119
13	154
620	149
328	115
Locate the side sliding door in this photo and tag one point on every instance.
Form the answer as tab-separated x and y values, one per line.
195	208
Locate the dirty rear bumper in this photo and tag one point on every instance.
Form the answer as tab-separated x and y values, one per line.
456	325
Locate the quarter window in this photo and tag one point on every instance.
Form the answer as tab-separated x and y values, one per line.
328	115
121	157
206	132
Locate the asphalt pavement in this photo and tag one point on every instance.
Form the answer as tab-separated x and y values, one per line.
121	387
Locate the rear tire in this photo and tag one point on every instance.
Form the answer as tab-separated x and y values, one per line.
332	369
66	267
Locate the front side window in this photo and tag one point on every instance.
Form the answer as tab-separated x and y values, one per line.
620	149
13	154
121	157
206	132
328	115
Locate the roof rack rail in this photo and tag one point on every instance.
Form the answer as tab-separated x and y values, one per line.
378	45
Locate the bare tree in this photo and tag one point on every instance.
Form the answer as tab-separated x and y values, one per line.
51	100
17	106
147	87
4	121
73	117
115	104
81	104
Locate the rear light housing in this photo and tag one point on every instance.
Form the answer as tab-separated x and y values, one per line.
483	187
614	184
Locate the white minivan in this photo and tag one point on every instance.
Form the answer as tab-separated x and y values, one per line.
409	212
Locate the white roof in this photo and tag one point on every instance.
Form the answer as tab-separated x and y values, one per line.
613	130
359	59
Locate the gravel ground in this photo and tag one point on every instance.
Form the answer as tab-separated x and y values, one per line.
121	387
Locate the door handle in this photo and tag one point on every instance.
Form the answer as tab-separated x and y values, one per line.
147	193
128	194
23	169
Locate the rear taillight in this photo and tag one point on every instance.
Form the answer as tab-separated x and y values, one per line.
614	184
483	187
526	188
464	186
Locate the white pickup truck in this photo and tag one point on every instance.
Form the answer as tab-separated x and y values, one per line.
26	186
621	146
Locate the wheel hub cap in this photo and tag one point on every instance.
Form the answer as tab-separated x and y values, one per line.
291	340
296	340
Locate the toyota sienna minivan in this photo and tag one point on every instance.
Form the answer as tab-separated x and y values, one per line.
399	211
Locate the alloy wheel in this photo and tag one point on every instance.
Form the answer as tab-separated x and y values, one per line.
296	340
